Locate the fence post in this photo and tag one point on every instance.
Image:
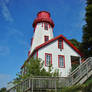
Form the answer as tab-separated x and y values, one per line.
55	85
71	77
87	69
29	83
32	85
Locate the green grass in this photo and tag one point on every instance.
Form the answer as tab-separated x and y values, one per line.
86	87
89	81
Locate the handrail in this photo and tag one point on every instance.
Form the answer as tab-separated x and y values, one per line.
80	65
53	82
80	71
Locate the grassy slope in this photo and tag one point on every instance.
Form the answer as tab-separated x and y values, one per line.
86	87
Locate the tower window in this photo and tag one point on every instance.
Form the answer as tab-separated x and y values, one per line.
60	44
46	26
48	59
61	61
46	38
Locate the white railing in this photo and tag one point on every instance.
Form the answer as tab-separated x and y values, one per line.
41	83
79	73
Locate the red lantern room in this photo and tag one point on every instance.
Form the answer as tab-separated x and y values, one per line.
43	16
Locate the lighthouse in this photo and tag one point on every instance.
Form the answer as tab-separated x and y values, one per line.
43	29
55	51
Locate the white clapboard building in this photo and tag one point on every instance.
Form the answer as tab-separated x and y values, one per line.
57	51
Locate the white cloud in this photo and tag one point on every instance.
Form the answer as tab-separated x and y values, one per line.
16	35
5	11
14	31
4	79
7	1
4	50
82	1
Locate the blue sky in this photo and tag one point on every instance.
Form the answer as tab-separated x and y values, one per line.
16	18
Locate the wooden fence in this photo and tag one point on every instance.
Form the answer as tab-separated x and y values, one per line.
32	84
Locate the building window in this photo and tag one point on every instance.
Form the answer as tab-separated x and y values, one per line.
60	44
46	26
61	61
46	38
48	59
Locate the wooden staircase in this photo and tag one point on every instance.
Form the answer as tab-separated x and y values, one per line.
81	73
78	76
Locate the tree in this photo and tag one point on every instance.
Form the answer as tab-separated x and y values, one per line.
75	43
3	90
35	68
86	45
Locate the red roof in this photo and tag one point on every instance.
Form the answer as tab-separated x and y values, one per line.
48	42
60	36
43	16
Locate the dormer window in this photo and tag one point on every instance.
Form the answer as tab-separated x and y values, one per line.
60	43
46	26
46	38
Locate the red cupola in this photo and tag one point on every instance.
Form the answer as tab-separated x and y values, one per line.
43	16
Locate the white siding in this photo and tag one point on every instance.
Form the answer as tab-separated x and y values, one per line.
52	48
39	34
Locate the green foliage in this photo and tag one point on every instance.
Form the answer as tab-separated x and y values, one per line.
35	68
75	43
86	87
86	45
74	66
78	88
18	79
88	81
72	89
3	90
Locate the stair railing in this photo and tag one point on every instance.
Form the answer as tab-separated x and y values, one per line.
79	72
55	82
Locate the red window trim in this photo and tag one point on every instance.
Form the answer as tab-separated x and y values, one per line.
45	37
45	58
62	44
63	59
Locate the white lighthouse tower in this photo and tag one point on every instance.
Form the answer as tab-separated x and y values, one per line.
43	29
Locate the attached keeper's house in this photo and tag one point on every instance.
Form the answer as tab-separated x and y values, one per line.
57	51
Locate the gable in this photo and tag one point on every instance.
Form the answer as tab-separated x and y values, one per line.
56	38
53	48
71	47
